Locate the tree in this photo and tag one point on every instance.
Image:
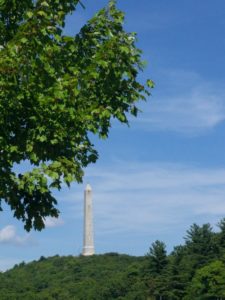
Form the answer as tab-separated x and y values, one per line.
221	237
54	91
208	282
157	262
200	249
157	257
178	273
201	244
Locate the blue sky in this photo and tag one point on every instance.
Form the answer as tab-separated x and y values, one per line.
167	171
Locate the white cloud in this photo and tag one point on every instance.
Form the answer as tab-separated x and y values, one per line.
53	222
184	102
8	235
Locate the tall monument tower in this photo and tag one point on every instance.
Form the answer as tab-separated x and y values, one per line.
88	246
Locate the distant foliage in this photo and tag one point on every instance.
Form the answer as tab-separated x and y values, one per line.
191	272
100	277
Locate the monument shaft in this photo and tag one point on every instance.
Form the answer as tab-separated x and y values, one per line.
88	246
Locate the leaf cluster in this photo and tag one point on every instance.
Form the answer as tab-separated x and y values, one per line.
54	91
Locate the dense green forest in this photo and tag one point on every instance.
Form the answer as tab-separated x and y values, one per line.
193	271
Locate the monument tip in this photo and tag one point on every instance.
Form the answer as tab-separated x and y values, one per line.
88	187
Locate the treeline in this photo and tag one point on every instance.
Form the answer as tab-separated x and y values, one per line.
193	271
108	276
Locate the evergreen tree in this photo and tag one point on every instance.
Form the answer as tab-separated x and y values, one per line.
221	237
157	258
200	244
157	262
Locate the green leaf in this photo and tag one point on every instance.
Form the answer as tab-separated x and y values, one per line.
30	14
150	83
24	40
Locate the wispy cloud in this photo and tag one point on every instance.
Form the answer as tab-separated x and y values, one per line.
184	102
154	198
53	222
8	235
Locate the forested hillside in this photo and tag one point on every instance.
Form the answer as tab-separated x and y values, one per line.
193	271
108	276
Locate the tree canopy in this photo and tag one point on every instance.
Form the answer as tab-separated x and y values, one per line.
54	91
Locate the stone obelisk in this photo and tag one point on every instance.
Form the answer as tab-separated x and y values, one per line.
88	246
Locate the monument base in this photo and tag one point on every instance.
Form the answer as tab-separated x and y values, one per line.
87	251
